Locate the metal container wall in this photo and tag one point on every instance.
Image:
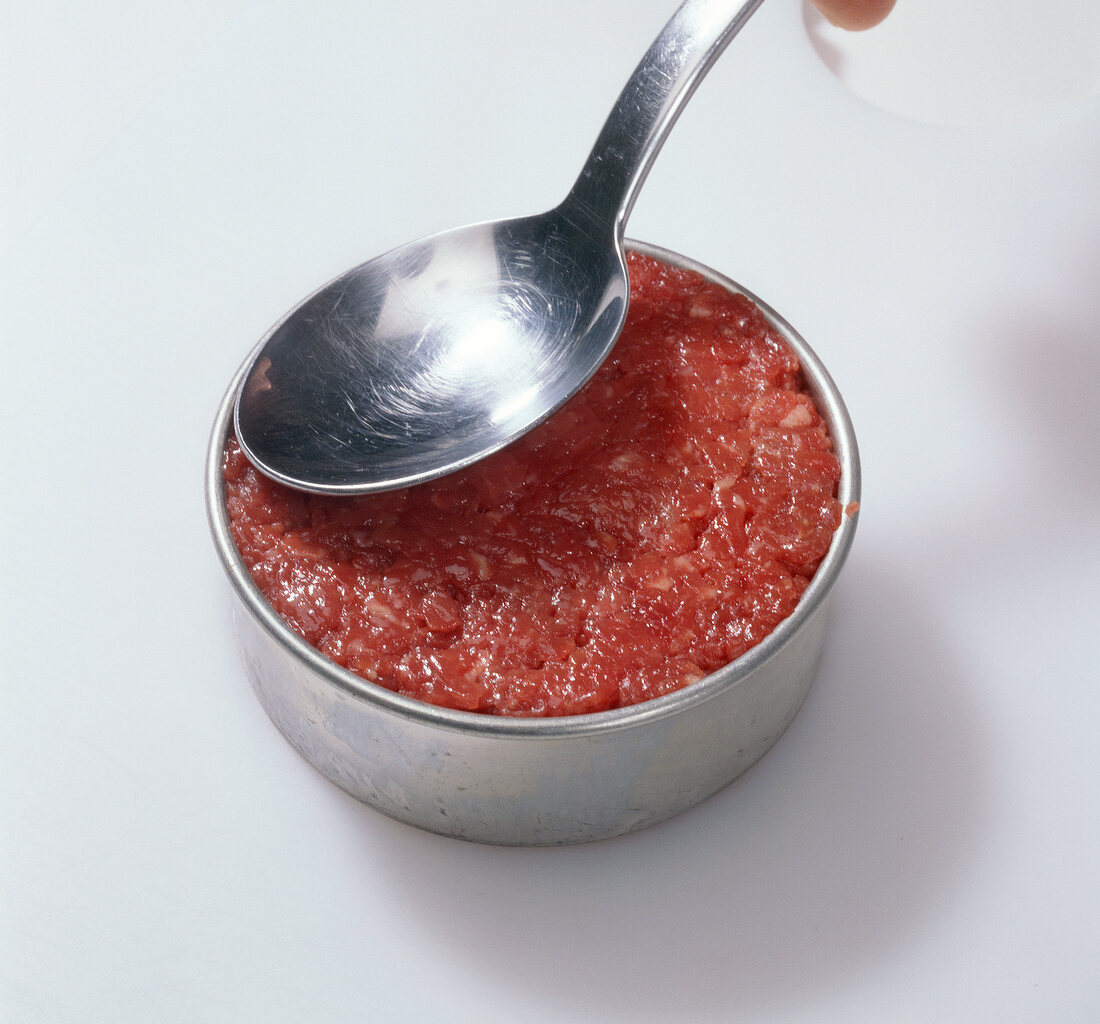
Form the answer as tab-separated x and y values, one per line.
539	781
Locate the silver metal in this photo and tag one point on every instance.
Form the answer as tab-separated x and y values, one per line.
431	357
541	781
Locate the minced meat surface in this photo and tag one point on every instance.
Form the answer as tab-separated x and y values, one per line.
655	528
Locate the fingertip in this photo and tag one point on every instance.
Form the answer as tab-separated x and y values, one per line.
855	15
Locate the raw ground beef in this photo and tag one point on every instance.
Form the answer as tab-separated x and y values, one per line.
654	529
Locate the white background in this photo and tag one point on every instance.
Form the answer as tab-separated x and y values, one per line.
922	845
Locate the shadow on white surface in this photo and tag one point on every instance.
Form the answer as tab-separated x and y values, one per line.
1046	383
817	865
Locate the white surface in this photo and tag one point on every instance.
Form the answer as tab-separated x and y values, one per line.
922	844
982	62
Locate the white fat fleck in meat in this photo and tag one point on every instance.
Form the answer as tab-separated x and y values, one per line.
799	416
381	610
481	564
627	458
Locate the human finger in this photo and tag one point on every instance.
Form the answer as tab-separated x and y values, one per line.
854	14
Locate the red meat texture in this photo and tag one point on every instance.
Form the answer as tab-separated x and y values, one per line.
658	526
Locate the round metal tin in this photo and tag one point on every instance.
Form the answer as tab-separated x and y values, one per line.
546	781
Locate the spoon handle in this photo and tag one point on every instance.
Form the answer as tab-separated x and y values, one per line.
650	103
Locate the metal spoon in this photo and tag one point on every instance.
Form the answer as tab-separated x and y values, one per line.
439	353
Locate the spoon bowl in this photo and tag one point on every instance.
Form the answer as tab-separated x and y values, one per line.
439	353
430	357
